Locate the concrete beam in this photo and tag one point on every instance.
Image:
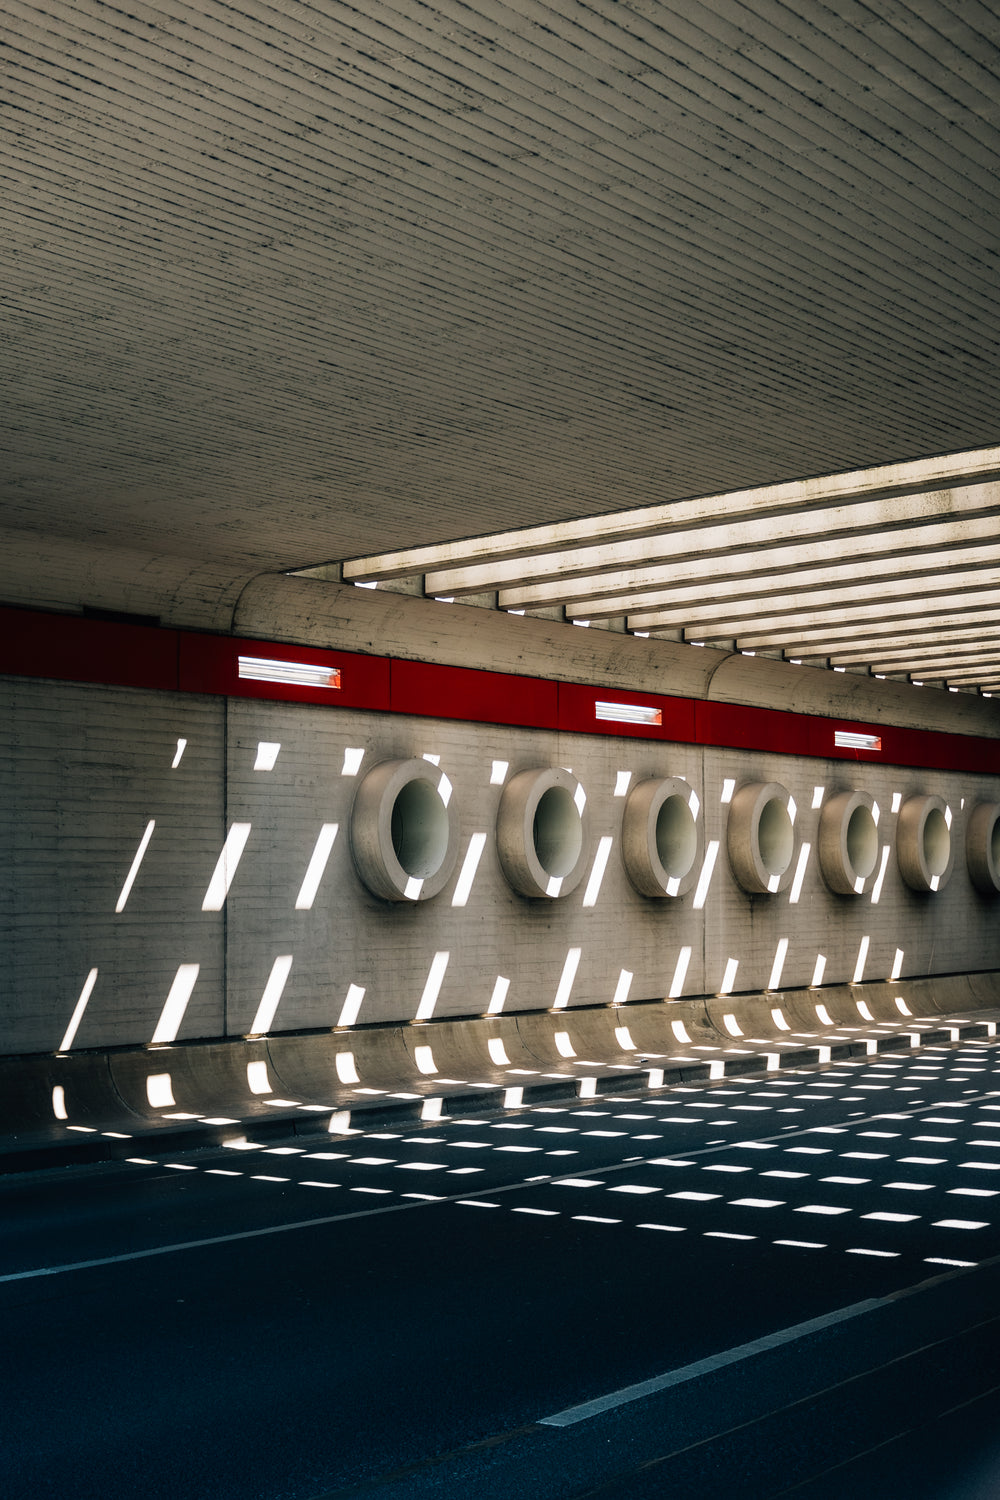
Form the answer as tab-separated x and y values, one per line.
693	616
861	611
838	575
824	639
913	524
858	485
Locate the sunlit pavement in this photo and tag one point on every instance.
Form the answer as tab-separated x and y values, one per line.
461	1308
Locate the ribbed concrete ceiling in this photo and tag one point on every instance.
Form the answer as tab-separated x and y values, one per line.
290	282
895	569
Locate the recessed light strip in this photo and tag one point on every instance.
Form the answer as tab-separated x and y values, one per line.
847	739
628	713
294	673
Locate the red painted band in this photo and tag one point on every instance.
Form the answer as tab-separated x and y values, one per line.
68	648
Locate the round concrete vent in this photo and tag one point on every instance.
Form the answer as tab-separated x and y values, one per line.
760	836
924	850
663	837
982	848
404	830
848	842
541	832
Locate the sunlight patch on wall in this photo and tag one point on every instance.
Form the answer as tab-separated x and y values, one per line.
351	1006
474	854
566	979
267	755
226	867
705	878
160	1091
729	978
880	877
677	983
271	997
78	1010
176	1004
353	756
800	873
178	754
623	986
598	868
257	1079
774	981
432	988
498	996
316	867
134	868
859	967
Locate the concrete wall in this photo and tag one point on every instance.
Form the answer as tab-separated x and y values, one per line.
84	769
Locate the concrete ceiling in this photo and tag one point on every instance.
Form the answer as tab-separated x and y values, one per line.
293	282
894	569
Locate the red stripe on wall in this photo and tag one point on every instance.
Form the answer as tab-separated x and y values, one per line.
440	692
69	648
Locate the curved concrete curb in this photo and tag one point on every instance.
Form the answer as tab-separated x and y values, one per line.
105	1105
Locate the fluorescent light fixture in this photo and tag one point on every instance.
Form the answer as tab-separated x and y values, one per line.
628	713
293	673
847	739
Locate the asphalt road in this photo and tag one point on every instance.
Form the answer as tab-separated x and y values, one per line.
801	1274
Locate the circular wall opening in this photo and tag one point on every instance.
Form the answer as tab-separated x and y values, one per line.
662	837
775	836
862	842
404	830
937	842
982	848
556	831
924	849
848	841
676	837
760	836
541	832
419	829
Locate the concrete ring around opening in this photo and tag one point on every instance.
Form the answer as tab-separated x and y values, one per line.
848	841
925	850
542	832
663	836
404	830
982	848
761	837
